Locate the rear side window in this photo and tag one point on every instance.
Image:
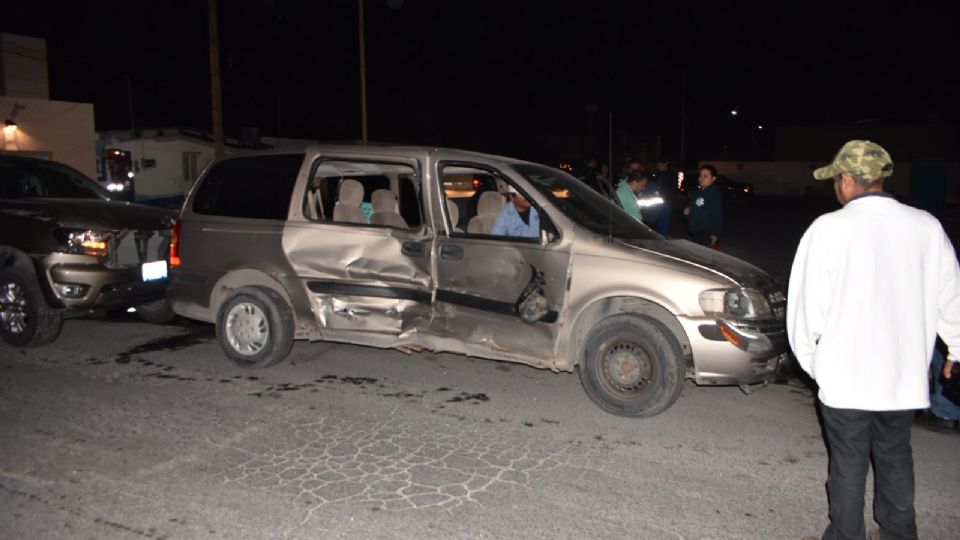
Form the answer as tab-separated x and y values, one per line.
364	193
257	187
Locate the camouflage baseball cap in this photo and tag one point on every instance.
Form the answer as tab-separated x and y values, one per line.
863	159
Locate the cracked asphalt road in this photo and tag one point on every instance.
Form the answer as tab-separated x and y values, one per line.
345	441
128	430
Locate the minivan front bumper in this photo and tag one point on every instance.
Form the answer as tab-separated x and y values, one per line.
728	352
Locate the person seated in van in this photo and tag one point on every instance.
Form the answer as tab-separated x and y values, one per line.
629	189
518	217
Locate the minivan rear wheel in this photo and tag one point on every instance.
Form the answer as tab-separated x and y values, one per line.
632	366
255	327
26	320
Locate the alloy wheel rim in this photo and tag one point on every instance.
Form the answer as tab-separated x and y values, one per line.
247	329
13	311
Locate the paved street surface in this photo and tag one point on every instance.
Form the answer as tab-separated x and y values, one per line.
128	430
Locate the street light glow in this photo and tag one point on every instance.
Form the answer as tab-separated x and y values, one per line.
733	112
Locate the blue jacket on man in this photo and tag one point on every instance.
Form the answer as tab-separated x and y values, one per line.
509	223
706	213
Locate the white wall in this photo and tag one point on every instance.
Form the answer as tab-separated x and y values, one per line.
166	179
62	130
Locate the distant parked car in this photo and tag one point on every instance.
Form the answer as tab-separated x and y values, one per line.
732	189
67	246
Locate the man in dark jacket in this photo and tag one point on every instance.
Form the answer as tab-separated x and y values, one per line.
705	211
589	175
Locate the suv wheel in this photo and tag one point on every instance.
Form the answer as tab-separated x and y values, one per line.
25	318
255	327
632	366
157	312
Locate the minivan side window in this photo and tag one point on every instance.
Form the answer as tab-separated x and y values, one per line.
257	187
340	193
478	199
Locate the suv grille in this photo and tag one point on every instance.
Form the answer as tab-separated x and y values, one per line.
132	248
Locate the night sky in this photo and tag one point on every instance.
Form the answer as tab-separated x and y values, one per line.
494	76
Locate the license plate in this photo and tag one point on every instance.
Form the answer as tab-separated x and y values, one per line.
153	271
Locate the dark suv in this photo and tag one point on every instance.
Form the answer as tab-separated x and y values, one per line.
65	246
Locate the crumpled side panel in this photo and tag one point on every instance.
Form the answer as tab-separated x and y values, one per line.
500	274
367	314
355	254
483	334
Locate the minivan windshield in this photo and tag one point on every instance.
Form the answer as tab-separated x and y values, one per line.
33	178
583	205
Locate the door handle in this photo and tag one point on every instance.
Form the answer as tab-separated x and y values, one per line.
451	252
412	249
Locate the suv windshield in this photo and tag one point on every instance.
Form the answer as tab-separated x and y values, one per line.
584	205
29	178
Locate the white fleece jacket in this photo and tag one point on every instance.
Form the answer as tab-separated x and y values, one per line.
872	285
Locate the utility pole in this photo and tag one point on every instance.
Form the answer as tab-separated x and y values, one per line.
683	118
363	78
133	125
215	95
610	149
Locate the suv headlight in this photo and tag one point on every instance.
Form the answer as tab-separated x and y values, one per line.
737	304
85	242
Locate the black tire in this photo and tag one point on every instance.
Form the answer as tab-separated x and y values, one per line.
25	318
157	312
255	327
649	366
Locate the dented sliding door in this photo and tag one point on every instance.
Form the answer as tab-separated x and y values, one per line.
361	248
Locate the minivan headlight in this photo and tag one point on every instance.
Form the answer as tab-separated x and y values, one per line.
737	303
85	242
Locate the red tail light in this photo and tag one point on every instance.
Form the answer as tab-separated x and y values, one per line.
175	245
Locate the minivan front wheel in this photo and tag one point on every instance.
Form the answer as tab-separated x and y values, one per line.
632	366
255	327
25	318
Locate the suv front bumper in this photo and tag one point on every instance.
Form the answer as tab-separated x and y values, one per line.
80	282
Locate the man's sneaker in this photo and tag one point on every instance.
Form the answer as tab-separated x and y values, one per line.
932	422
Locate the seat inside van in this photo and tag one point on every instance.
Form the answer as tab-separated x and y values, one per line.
348	208
386	210
489	206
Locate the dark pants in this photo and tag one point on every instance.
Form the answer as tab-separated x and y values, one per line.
701	237
854	436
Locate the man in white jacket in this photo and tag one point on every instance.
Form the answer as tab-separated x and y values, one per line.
871	286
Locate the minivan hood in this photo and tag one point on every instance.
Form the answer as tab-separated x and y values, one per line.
92	213
732	268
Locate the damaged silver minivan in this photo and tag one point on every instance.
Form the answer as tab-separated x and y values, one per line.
395	247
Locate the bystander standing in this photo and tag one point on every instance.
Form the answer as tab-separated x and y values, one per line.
627	193
871	286
705	211
589	173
